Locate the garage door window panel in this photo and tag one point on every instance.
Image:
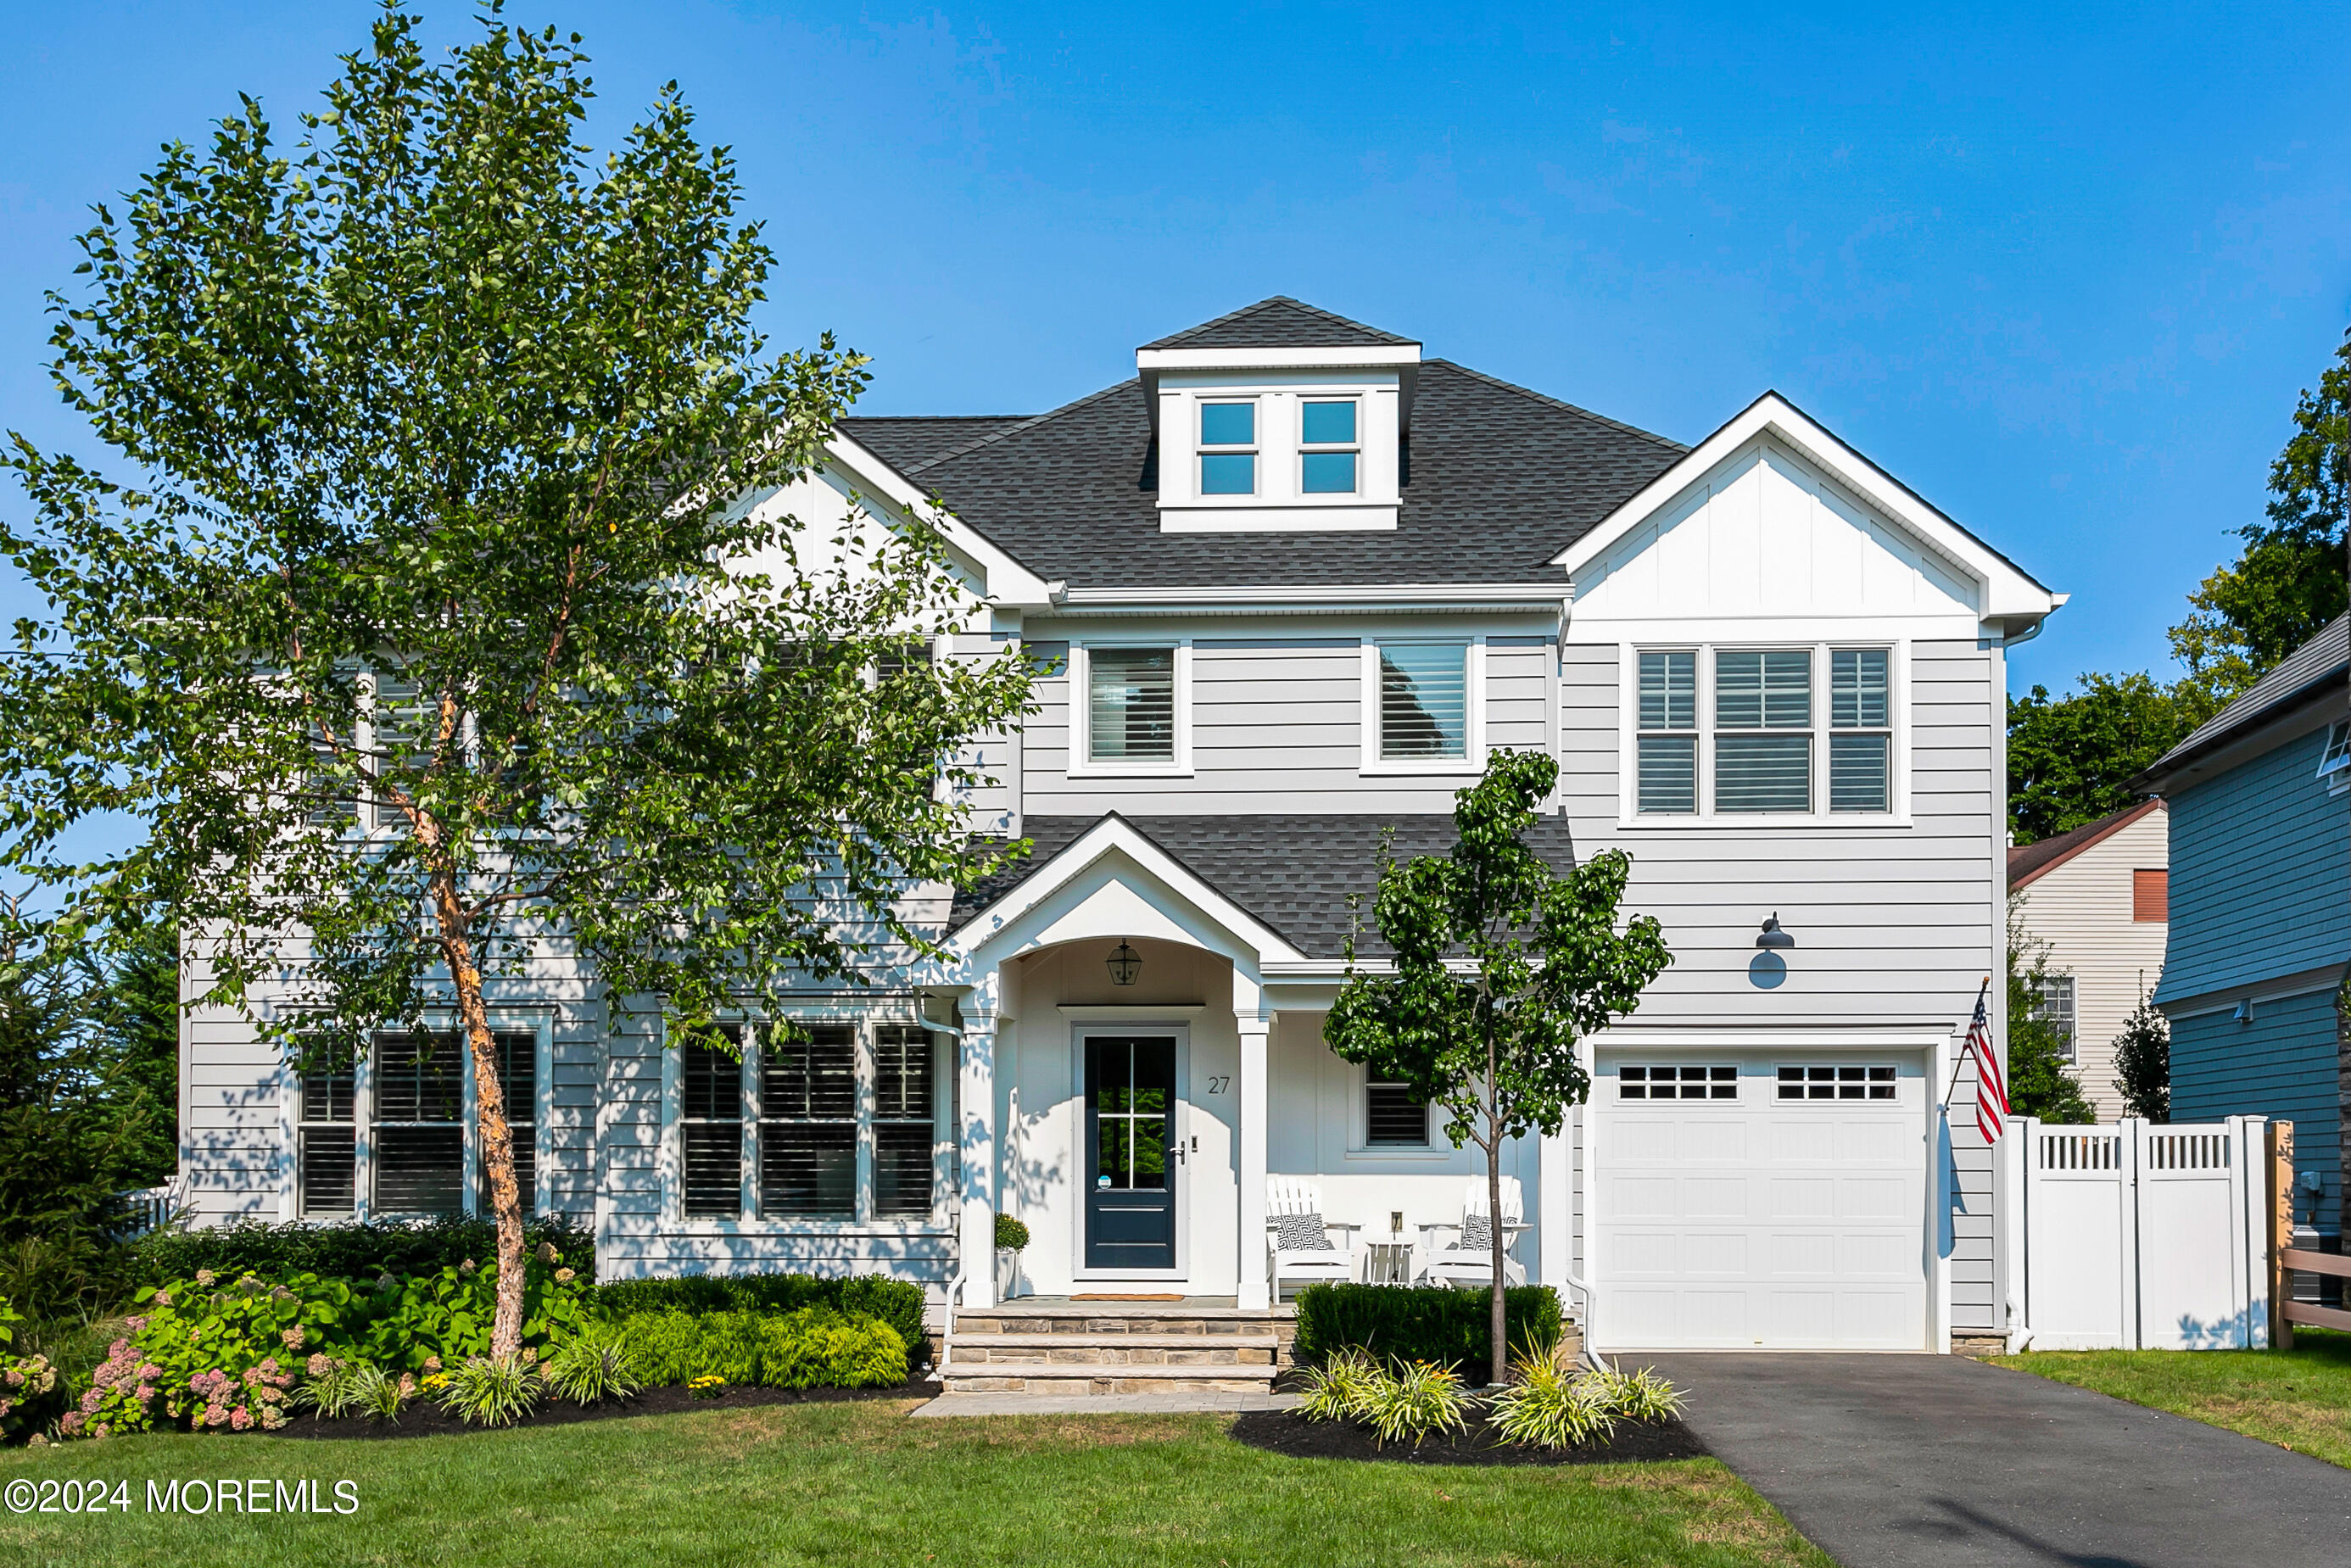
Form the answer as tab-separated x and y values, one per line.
1711	1081
1871	1081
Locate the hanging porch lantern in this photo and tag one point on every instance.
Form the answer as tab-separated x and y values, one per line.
1125	964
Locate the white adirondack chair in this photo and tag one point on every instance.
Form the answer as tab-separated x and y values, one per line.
1446	1262
1286	1194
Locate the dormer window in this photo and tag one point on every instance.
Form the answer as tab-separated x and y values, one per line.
1328	448
1229	449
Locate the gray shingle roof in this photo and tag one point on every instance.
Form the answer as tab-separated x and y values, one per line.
2322	660
917	439
1294	873
1499	479
1280	322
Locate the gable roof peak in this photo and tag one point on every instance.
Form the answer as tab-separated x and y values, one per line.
1281	322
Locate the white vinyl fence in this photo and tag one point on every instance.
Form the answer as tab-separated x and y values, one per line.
2133	1236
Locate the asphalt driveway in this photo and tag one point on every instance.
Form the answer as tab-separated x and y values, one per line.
1887	1461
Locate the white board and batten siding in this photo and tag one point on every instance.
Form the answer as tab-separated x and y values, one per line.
1895	917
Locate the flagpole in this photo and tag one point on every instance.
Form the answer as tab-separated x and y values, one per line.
1966	1045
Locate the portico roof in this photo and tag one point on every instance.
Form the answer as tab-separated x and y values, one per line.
1292	873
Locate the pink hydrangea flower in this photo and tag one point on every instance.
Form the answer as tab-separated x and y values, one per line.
16	1378
70	1424
318	1364
89	1402
205	1277
163	1299
241	1419
293	1337
564	1276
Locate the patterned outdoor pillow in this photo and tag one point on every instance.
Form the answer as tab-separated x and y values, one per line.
1477	1234
1300	1233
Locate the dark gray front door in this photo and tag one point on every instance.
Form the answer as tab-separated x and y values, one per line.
1130	1154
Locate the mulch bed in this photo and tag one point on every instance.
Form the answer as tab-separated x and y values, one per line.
426	1420
1287	1432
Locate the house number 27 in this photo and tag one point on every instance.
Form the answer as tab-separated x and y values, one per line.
1220	1083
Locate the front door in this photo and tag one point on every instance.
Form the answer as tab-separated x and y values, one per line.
1130	1151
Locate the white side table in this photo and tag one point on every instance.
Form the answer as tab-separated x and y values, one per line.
1388	1263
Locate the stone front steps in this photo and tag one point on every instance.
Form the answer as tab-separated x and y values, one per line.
1057	1349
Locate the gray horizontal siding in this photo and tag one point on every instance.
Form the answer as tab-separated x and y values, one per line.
2260	874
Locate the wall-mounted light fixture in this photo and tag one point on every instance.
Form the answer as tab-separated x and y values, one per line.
2244	1013
1773	936
1125	964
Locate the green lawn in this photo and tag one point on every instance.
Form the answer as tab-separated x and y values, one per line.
2298	1399
859	1483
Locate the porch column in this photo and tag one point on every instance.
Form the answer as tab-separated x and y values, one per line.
976	1140
1255	1024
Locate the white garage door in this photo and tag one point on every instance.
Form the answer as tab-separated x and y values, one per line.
1747	1200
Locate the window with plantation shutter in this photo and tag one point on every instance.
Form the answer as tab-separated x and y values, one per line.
1423	701
419	1131
905	1134
1668	744
1763	720
326	1130
518	1053
808	1122
710	1073
1394	1117
1130	704
1861	731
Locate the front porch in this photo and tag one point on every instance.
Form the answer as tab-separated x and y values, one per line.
1141	1067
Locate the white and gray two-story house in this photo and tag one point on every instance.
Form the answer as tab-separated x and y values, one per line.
1290	585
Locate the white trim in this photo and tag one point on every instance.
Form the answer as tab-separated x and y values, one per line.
1082	764
1533	597
1631	819
1009	583
1156	1019
1154	1013
1469	766
2003	592
1368	355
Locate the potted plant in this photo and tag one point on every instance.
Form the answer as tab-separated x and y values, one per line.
1012	1235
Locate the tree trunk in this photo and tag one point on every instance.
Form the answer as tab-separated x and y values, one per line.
490	1099
1500	1321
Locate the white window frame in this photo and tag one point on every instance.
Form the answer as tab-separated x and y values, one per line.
1631	819
1350	448
2334	757
1082	763
1473	760
1254	451
864	1220
473	1197
2072	984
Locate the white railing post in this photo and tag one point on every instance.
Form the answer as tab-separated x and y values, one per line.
2011	1207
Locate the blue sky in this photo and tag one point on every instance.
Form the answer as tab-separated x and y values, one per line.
2062	269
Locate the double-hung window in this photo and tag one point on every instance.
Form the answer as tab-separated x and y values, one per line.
326	1131
1229	449
1763	723
827	1121
1132	706
1668	744
2052	1006
1423	702
1861	731
808	1122
1329	453
418	1133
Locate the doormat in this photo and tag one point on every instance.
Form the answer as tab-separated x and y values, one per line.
1121	1296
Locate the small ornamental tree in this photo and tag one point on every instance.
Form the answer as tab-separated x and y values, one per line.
1501	965
2143	1064
429	628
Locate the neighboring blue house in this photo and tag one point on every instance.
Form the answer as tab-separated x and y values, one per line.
2259	801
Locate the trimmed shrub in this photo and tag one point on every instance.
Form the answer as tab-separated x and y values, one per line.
811	1348
348	1252
1447	1328
896	1302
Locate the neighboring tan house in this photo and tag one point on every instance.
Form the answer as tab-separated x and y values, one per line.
2096	897
2260	800
1290	585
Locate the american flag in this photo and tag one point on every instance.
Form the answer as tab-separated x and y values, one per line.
1992	1086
